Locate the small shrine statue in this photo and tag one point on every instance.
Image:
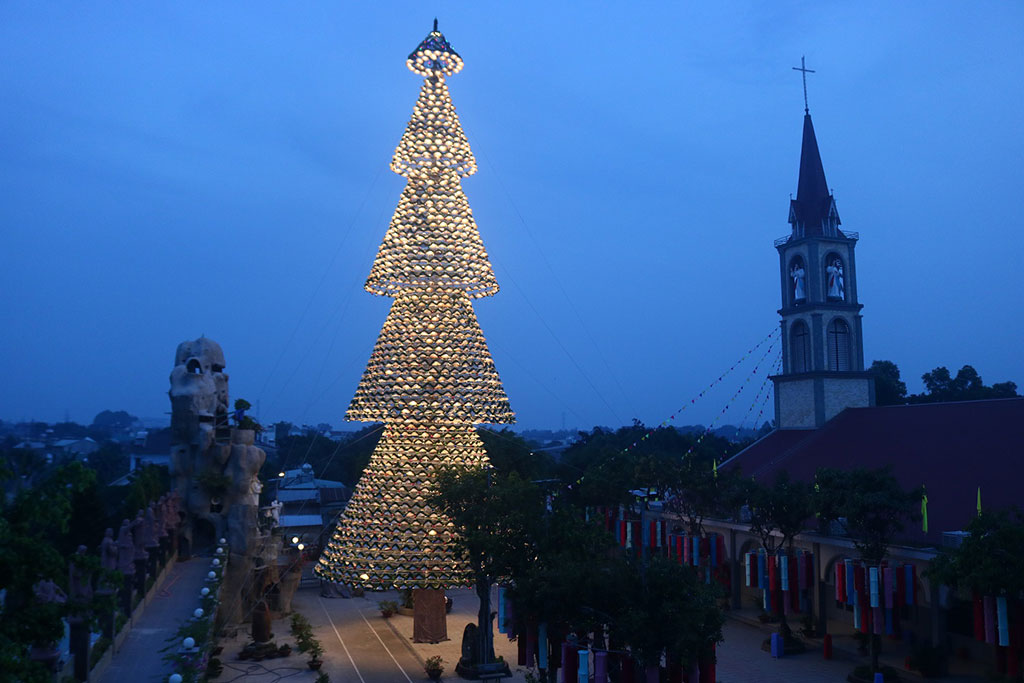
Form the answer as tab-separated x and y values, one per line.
108	551
799	287
79	578
836	289
138	536
159	509
149	531
48	591
125	549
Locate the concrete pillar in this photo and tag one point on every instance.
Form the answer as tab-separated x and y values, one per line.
735	572
79	646
820	598
940	636
140	576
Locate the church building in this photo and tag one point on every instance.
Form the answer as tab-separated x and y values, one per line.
825	416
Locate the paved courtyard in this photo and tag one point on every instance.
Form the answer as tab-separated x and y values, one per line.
362	647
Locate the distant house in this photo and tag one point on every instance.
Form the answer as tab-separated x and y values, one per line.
306	507
149	447
75	449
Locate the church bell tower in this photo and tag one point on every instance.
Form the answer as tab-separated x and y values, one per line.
822	338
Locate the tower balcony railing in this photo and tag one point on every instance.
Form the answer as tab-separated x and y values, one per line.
848	234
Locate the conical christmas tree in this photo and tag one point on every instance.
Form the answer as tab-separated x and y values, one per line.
430	377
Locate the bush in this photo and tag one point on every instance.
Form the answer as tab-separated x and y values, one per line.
434	664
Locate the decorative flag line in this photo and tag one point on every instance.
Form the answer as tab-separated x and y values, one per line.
729	403
535	640
875	593
715	382
992	621
768	395
764	385
655	536
785	579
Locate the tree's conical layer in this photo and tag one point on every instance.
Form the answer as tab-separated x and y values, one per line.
431	362
432	240
434	138
388	537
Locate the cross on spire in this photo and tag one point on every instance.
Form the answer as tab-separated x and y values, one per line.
804	71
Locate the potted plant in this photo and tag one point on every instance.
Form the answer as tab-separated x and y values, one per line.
315	650
434	666
387	608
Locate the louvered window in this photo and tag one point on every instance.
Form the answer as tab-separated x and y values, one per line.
838	345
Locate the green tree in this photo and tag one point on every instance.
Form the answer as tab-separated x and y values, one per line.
281	430
495	525
873	507
890	390
967	385
779	512
989	559
668	609
35	528
149	482
109	462
509	452
112	422
568	572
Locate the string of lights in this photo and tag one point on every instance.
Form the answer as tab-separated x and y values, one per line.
671	418
760	392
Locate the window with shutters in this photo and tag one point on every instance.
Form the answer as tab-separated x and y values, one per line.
838	345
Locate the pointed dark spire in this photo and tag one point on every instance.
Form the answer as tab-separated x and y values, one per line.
813	210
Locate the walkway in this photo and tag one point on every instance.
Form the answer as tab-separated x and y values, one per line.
139	660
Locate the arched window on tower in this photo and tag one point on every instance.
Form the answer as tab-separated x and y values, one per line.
797	281
835	278
838	345
800	347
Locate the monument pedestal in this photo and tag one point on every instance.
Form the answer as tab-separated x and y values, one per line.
78	643
140	576
429	617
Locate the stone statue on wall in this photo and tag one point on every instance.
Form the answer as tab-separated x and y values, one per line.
138	526
79	579
159	510
48	591
125	550
108	551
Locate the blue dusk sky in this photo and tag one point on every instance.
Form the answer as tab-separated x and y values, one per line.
175	169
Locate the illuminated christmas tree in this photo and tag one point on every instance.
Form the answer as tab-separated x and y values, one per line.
430	377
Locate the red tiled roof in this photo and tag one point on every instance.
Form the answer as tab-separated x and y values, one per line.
950	448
